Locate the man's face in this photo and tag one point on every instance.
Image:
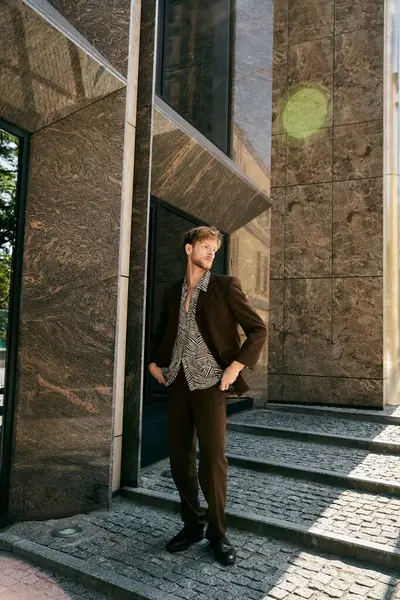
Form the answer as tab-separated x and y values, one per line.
202	254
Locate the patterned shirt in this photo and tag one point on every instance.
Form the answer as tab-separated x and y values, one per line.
190	350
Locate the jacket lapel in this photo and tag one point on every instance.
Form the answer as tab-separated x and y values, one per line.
175	299
204	296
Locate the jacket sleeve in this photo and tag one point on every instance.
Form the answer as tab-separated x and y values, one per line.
251	323
160	330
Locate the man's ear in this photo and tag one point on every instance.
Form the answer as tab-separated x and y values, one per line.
188	249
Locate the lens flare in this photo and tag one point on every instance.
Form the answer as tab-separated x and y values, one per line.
305	112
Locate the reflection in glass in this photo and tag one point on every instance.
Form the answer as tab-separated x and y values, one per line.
252	89
249	260
9	151
194	64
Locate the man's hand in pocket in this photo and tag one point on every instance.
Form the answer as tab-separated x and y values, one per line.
157	373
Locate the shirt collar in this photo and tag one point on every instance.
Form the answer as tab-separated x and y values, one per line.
205	280
203	283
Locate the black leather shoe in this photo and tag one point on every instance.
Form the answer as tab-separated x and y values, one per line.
184	539
223	550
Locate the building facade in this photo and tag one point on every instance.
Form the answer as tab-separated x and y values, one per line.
125	123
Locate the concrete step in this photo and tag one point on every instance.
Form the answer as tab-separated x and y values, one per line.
309	474
102	582
311	459
321	424
372	553
389	414
375	445
326	508
123	552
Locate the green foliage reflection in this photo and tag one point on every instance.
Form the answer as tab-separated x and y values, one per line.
8	190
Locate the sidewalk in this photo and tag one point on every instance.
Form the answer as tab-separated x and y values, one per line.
125	549
19	580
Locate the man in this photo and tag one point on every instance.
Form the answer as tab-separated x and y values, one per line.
198	355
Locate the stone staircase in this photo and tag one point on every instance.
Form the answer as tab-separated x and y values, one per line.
321	478
313	508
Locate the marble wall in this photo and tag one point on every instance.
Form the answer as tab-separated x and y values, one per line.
200	180
64	79
327	227
104	23
44	76
63	416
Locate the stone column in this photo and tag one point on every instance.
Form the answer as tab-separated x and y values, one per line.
326	252
74	104
391	206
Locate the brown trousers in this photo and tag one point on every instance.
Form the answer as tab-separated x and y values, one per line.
204	412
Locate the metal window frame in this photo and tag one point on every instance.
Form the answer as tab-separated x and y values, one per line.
10	385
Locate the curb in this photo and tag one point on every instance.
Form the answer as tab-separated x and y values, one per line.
92	576
364	484
345	414
310	436
312	538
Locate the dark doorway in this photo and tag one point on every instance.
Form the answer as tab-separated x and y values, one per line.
13	169
167	263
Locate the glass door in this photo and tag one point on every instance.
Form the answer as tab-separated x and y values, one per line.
13	159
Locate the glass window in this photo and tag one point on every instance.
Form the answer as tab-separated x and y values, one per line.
8	188
194	70
10	169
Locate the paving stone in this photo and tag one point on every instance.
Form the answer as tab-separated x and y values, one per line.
365	581
325	579
304	593
334	592
358	589
19	580
278	594
286	585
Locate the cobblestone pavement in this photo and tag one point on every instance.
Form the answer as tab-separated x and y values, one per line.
393	411
348	512
320	424
335	459
130	540
20	580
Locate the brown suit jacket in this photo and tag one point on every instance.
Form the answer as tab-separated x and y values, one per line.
219	311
